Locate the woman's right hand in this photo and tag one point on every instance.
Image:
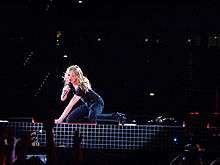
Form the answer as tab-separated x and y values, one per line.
65	91
66	88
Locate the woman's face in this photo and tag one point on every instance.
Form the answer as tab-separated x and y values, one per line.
72	77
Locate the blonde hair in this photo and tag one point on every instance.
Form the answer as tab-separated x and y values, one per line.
83	81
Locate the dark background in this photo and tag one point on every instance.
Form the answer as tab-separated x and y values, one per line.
170	49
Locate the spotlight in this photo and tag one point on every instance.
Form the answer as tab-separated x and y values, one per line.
99	39
152	94
175	140
146	39
59	38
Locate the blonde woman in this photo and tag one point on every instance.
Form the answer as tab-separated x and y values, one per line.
93	104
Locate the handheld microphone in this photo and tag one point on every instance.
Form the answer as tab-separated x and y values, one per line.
66	90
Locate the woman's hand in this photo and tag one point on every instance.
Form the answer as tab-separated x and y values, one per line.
66	88
57	121
65	91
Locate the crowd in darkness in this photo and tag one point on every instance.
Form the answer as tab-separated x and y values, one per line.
14	151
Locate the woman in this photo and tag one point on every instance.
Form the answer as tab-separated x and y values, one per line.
92	105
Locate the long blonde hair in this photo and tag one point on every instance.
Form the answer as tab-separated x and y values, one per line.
83	81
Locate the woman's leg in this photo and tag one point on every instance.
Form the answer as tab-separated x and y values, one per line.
78	114
95	109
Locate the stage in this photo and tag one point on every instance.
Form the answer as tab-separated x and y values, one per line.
127	136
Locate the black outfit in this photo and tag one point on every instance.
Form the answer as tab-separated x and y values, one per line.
92	105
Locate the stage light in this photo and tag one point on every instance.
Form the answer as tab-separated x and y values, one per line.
59	38
146	39
59	34
184	124
194	113
189	40
65	56
28	58
80	1
175	140
99	39
152	94
213	40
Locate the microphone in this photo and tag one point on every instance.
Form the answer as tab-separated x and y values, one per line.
66	90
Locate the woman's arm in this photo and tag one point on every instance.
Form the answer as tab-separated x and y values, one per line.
66	87
65	92
69	107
